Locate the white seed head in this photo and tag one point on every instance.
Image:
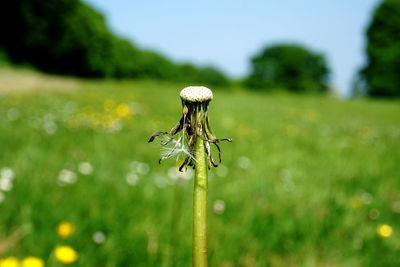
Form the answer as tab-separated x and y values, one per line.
196	94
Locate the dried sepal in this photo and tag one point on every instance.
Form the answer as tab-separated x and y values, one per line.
193	124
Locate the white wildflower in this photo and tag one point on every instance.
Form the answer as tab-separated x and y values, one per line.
99	237
219	207
67	177
85	168
132	179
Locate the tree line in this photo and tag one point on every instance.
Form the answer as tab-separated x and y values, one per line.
70	37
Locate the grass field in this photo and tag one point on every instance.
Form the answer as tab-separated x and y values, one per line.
308	180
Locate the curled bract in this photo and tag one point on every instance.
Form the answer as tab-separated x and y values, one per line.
193	124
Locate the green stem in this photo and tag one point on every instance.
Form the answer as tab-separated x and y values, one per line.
200	207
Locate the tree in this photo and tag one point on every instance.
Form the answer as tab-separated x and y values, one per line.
206	75
70	37
290	67
60	36
382	71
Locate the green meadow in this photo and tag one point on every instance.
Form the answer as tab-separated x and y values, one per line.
308	180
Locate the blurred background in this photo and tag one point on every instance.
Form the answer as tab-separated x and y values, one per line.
308	90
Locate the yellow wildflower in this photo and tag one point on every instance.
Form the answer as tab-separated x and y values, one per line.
384	230
65	254
123	110
9	262
32	262
107	121
65	229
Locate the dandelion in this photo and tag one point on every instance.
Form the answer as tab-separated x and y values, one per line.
193	126
85	168
65	229
7	173
194	143
5	184
99	237
50	127
65	254
9	262
384	230
7	176
219	207
132	178
123	111
32	262
67	177
139	167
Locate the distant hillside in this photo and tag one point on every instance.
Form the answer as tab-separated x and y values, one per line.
70	37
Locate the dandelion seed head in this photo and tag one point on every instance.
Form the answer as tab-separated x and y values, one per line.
99	237
50	127
85	168
219	207
5	184
7	173
67	177
132	179
193	125
139	167
196	94
366	197
168	152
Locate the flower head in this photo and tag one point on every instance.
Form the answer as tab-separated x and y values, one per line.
65	254
193	124
65	229
9	262
384	230
196	94
32	262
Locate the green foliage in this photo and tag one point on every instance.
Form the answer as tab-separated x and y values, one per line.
61	36
206	75
307	185
70	37
381	73
290	67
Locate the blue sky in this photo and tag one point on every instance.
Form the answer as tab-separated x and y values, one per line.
226	34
